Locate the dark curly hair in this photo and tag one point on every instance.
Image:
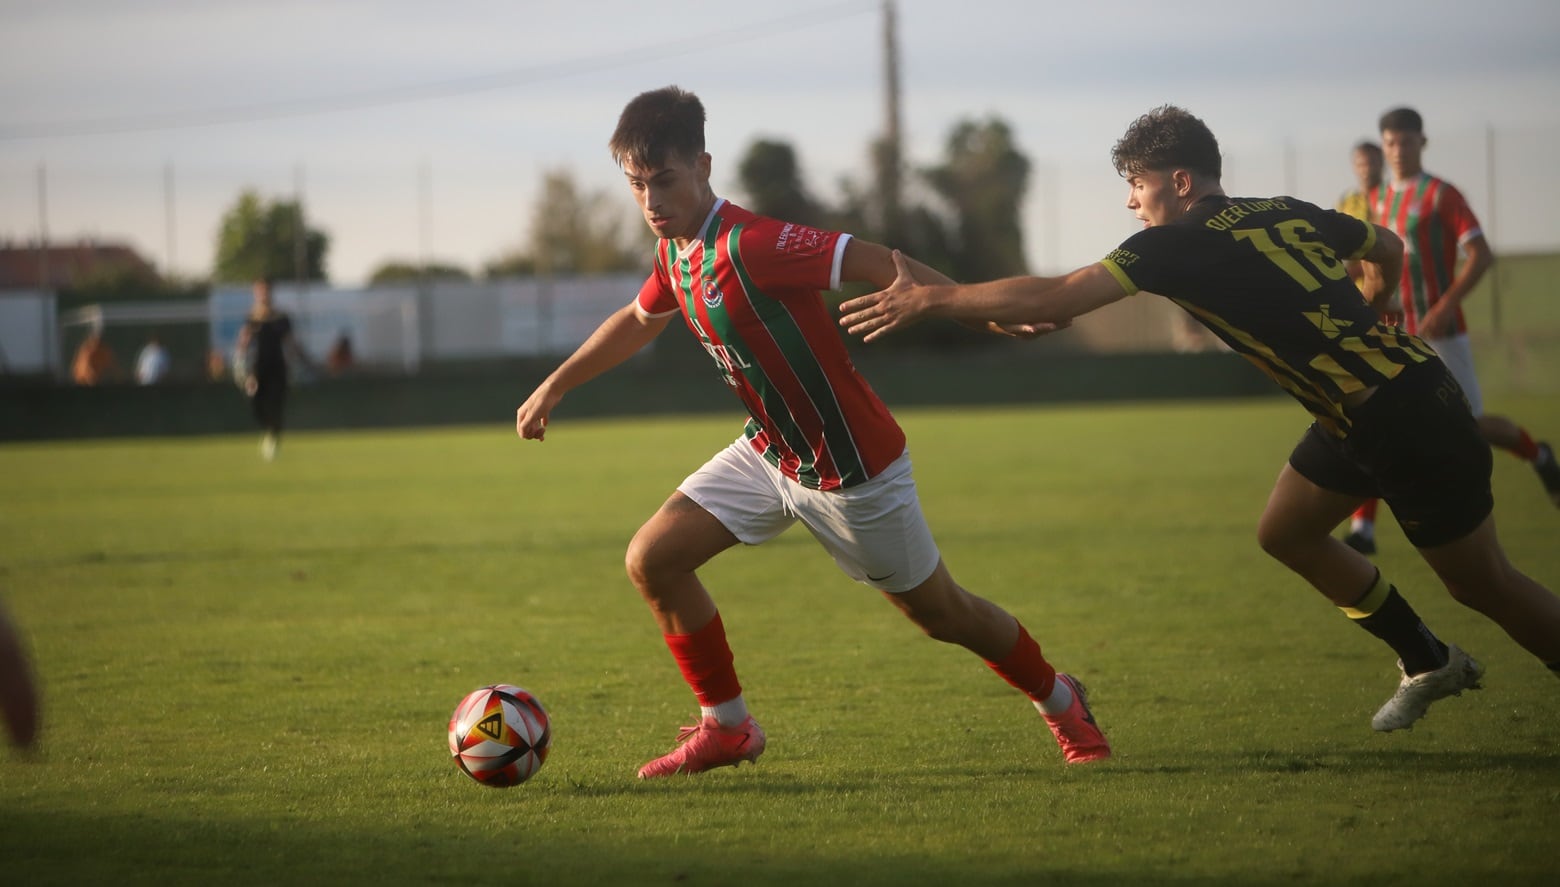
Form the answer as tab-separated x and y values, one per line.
1167	138
657	125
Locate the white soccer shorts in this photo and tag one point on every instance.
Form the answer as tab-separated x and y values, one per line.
875	530
1457	354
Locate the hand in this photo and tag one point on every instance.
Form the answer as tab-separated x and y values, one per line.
531	417
1390	316
1439	322
880	313
251	385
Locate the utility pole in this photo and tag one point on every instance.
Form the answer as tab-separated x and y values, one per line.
43	228
169	253
300	256
425	212
891	160
1489	226
56	335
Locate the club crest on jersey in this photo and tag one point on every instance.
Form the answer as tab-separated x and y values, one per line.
712	294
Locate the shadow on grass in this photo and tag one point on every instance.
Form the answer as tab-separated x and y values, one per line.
75	848
496	547
1405	761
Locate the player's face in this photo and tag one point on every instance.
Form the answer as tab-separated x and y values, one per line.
675	197
1153	197
1403	150
1367	169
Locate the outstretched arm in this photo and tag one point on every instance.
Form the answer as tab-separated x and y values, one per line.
1027	301
873	263
616	340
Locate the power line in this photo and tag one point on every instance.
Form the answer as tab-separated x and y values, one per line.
420	92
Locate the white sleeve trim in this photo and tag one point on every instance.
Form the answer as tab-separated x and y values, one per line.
640	310
1470	234
839	261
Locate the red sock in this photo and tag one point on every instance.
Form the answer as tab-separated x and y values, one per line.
1527	448
705	660
1367	511
1025	668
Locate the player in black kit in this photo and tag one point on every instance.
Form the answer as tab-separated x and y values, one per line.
264	342
1268	277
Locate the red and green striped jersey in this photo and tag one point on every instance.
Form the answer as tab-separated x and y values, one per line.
1434	220
749	289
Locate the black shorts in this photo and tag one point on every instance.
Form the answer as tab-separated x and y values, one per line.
269	400
1415	444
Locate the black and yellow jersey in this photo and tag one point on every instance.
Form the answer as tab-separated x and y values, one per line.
1267	277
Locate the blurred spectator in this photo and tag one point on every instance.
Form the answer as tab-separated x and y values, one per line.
216	365
151	365
94	362
339	360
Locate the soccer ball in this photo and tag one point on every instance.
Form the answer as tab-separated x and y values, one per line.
499	735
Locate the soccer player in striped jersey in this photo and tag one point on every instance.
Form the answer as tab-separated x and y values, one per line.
1267	276
1436	223
819	447
1367	161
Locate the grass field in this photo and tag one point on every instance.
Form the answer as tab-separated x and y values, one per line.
248	668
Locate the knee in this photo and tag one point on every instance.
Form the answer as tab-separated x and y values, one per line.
654	556
640	560
1273	540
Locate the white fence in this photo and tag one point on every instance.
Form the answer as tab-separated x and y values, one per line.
390	328
28	342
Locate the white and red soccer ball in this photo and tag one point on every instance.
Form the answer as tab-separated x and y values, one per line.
499	735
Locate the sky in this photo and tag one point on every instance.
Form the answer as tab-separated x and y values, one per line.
423	130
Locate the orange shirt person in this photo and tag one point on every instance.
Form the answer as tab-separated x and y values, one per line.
94	362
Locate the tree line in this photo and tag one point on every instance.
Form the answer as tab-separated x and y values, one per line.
960	215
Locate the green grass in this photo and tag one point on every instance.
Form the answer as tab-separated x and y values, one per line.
248	668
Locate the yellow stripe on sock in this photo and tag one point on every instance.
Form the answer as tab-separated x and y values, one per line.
1372	600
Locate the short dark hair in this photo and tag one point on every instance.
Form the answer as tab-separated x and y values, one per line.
1402	120
1369	147
1168	138
657	125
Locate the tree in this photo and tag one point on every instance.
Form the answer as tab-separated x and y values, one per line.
984	178
773	182
410	272
574	232
960	217
260	239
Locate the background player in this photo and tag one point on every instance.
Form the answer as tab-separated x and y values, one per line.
1435	223
1366	160
1267	276
270	333
819	448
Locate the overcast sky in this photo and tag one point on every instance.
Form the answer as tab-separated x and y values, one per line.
427	127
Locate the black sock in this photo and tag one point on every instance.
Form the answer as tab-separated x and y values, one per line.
1387	616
